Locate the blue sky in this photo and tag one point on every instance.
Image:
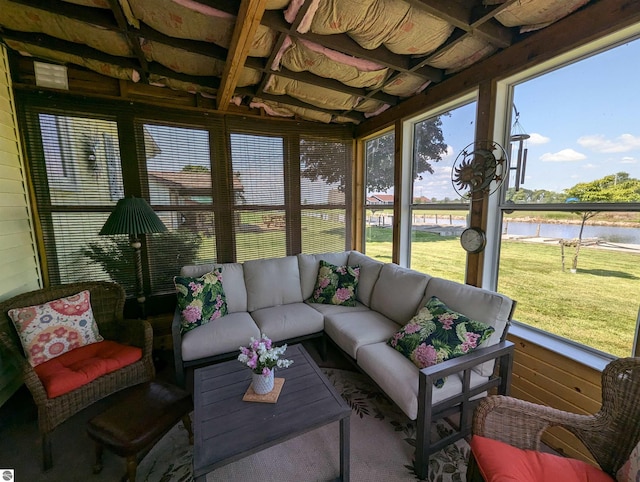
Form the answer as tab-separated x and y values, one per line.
584	122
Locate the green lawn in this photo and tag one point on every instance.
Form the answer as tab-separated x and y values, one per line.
597	306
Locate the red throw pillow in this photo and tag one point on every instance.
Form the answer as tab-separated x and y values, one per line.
501	462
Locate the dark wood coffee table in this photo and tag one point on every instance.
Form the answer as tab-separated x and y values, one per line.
227	429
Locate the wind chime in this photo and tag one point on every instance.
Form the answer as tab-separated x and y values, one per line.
518	138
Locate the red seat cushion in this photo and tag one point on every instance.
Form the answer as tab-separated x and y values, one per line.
500	462
81	365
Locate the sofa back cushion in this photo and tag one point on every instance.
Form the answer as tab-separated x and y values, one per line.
232	282
272	282
309	264
369	272
479	304
398	292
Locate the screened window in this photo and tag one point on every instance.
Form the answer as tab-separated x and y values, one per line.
226	188
324	181
76	173
379	196
570	251
179	174
438	212
260	220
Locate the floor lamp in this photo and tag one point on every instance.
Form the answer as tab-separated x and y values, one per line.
134	216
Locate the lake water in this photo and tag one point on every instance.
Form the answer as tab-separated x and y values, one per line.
612	234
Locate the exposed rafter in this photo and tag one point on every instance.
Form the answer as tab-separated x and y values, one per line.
247	23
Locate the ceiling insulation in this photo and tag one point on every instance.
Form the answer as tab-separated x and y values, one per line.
340	61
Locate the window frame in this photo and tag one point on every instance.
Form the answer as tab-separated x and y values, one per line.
503	120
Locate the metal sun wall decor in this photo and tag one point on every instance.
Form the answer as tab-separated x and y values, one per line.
479	168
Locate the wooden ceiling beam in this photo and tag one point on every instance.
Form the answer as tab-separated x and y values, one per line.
244	31
461	17
132	39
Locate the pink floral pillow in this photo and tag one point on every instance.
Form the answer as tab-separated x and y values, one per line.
630	471
49	330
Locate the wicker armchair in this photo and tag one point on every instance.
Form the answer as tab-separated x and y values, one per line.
610	435
107	302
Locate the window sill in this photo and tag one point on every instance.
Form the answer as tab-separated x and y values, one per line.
583	354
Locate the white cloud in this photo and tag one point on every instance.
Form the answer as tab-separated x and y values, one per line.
628	160
598	143
537	139
565	155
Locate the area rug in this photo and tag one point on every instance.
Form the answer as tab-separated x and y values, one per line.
382	447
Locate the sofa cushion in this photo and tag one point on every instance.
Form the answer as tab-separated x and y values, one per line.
223	335
272	282
82	365
479	304
51	329
369	272
498	461
438	333
398	292
232	282
354	329
200	300
288	321
327	310
398	377
336	285
309	265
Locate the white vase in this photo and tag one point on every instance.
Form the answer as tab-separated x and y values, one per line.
262	384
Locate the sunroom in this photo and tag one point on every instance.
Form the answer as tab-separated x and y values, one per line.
267	128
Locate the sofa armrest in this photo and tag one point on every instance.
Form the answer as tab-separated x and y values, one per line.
502	351
176	336
462	403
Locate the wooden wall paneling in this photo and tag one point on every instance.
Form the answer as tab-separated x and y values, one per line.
548	378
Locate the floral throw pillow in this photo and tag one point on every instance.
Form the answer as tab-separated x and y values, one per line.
51	329
630	471
336	285
200	300
438	333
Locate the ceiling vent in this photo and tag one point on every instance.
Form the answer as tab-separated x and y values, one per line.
51	75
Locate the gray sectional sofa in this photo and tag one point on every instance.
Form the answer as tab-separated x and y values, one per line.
269	296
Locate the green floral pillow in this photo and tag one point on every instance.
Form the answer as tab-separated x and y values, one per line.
200	300
336	285
438	333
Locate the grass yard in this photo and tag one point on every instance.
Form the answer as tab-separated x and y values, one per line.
597	306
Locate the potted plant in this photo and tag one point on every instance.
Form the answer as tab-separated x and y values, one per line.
262	358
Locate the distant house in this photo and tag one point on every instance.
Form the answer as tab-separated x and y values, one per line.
380	199
189	189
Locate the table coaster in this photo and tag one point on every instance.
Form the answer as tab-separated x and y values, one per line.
271	397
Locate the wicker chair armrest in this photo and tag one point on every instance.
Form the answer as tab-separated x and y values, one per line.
521	423
29	376
135	332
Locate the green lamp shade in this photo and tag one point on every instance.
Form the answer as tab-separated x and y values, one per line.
133	216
